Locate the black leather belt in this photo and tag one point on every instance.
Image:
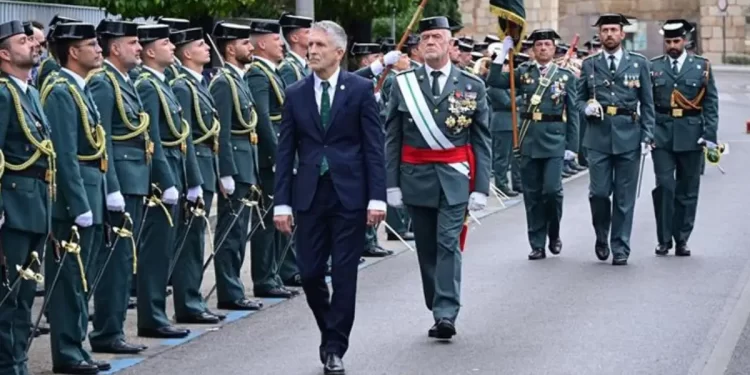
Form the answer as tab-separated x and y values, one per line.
541	117
678	112
34	172
617	111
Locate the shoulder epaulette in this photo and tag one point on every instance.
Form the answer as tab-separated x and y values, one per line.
593	55
144	76
177	78
700	57
405	71
638	54
472	76
93	73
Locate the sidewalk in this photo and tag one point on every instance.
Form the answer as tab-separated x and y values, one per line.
727	68
40	362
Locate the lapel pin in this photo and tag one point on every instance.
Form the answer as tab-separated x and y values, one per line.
468	87
342	87
421	78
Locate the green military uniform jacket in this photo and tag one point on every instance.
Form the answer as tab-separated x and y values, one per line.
127	124
621	92
268	91
46	67
135	73
500	103
238	149
173	70
292	70
678	129
180	167
421	185
199	111
81	146
24	131
549	118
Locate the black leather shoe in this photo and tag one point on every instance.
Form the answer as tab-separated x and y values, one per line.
218	315
602	251
295	281
682	250
202	318
377	252
569	171
132	303
565	174
334	365
167	332
508	192
662	249
442	330
555	246
537	254
277	292
579	167
82	367
244	304
119	347
619	261
101	365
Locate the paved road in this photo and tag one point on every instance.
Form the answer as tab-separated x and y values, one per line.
568	314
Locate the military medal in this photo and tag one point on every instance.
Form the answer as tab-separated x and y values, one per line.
536	99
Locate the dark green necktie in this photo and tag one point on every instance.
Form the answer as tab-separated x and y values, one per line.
325	118
612	66
435	83
674	67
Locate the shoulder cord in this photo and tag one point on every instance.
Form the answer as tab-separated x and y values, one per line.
274	85
215	125
249	125
180	136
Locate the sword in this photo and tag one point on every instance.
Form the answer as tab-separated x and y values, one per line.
640	175
123	232
197	211
245	203
389	228
25	273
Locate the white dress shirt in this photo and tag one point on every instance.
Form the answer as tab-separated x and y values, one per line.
123	75
299	58
680	61
267	61
617	55
21	83
237	69
446	70
80	81
195	74
159	75
318	88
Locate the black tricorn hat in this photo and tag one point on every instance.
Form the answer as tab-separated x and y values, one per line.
230	31
491	39
463	47
151	33
434	23
592	44
175	24
412	40
11	28
363	49
479	47
290	21
581	54
74	31
264	26
116	29
57	19
676	28
520	58
543	34
476	56
612	19
466	39
181	37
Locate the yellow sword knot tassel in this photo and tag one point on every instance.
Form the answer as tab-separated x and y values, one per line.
74	248
127	232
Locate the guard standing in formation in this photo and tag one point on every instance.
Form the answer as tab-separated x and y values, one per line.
199	111
175	24
548	136
238	164
175	170
267	244
82	164
687	119
129	148
438	164
502	136
50	64
27	189
612	84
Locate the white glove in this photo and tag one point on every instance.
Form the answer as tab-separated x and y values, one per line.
170	196
645	148
591	110
394	197
477	201
569	155
2	220
377	96
709	145
507	46
115	202
194	193
392	57
377	67
85	219
227	183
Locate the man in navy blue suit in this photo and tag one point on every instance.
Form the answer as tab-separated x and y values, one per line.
330	119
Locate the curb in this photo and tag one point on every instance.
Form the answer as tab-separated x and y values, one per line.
125	362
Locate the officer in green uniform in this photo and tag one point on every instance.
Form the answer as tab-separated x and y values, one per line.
612	84
438	112
82	161
412	47
238	163
176	174
294	66
27	183
191	90
547	136
267	88
126	126
50	64
175	24
687	119
464	55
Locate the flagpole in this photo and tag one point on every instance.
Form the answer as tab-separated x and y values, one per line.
404	38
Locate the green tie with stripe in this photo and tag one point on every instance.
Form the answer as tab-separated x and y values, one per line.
325	118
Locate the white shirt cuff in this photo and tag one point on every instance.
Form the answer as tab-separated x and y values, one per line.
282	210
377	205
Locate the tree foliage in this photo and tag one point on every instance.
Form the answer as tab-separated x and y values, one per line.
177	8
381	27
344	11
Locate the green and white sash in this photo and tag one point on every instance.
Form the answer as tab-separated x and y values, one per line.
535	101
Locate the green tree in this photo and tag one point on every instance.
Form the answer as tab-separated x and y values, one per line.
381	27
192	9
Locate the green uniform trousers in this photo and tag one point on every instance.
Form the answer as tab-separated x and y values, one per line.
436	235
153	264
15	312
112	294
502	151
231	253
678	180
68	305
615	175
543	198
188	271
371	238
266	243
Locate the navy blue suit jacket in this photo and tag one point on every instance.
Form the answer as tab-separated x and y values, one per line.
353	145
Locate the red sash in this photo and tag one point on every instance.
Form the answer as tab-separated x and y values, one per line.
459	154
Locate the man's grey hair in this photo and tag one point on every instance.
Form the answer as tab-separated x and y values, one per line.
334	31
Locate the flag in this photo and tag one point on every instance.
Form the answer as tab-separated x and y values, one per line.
511	19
